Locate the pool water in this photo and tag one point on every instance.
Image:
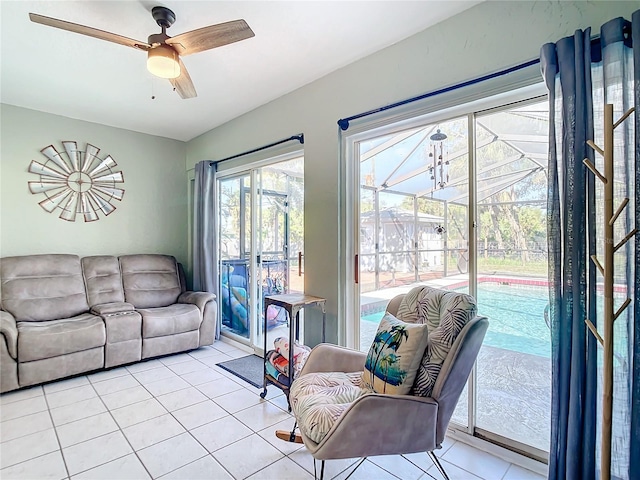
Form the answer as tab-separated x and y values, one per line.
516	317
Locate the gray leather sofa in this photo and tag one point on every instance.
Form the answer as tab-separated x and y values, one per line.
61	315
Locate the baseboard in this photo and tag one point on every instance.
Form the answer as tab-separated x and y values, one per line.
238	345
500	452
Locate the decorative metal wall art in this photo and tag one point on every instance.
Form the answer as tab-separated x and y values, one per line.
77	182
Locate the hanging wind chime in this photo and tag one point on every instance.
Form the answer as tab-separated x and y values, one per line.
440	168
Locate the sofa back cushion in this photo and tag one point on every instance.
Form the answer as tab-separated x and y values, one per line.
150	280
102	279
42	287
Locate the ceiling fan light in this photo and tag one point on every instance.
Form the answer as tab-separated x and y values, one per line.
163	62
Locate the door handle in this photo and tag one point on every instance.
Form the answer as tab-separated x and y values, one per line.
299	264
357	269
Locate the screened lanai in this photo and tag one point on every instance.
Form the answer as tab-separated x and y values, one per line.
425	171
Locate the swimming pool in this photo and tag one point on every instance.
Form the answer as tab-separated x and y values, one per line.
516	317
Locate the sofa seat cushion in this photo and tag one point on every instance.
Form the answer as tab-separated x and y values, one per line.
178	318
319	399
42	340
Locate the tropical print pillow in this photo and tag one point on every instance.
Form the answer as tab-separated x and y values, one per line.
394	356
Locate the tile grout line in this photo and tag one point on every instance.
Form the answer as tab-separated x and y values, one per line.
229	414
186	429
121	432
254	432
347	468
55	431
418	466
244	386
479	476
385	470
19	390
33	458
505	473
54	426
25	415
198	441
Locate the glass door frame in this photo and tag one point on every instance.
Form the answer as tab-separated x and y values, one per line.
349	303
253	287
472	429
253	170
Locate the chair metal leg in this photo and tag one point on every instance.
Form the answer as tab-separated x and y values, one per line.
357	466
436	462
315	474
292	436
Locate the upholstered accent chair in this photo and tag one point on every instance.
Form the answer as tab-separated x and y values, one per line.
340	416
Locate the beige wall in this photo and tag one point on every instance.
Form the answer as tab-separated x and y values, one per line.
483	39
151	218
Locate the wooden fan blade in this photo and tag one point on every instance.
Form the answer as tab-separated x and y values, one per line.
183	84
91	32
210	37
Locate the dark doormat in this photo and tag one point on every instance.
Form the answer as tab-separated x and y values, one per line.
249	368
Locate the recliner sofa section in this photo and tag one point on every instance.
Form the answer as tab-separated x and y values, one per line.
62	315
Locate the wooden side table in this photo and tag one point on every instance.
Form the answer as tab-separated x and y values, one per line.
292	303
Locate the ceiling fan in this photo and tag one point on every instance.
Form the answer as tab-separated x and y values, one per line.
163	51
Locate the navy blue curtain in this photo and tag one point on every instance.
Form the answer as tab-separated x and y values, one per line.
573	407
634	464
581	76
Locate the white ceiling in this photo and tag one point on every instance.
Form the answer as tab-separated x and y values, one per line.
295	42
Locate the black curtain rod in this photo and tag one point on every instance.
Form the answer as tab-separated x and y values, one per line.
344	122
299	137
596	56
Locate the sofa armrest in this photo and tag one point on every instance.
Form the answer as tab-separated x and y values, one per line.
9	330
111	308
199	299
410	428
332	358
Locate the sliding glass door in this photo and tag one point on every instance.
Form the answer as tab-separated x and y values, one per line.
261	246
413	215
514	366
459	203
236	222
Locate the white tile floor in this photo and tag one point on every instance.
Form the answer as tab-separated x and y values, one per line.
182	417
